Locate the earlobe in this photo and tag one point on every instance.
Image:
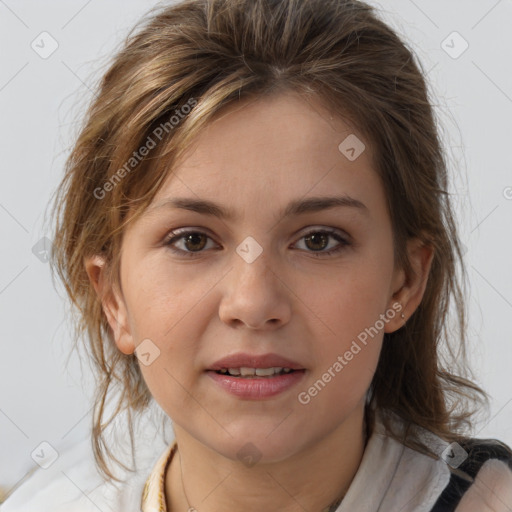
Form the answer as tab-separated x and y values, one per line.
112	304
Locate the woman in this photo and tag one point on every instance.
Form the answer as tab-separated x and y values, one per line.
255	228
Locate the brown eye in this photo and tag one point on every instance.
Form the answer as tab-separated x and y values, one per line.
195	241
191	242
317	241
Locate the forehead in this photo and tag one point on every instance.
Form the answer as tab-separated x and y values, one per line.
268	151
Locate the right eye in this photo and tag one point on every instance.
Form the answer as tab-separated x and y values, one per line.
192	240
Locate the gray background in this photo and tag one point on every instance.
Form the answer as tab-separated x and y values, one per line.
40	100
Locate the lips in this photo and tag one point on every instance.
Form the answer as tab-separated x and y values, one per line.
244	360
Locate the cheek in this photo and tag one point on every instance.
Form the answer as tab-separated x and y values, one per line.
166	324
352	324
355	302
344	374
161	295
169	376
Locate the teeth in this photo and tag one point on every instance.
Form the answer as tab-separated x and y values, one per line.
263	372
259	372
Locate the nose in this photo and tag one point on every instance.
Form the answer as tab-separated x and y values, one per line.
255	295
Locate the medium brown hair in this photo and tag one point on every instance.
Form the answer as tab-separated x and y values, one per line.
214	53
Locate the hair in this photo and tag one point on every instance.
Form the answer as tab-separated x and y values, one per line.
208	54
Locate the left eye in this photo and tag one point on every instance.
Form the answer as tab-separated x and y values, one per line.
194	242
320	238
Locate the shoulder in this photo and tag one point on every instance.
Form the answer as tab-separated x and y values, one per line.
69	480
473	475
482	481
73	482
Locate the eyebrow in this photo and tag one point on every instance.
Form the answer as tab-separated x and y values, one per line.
296	207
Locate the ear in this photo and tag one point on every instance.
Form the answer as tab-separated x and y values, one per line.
112	302
409	289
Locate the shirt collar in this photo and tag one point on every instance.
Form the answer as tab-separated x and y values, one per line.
153	494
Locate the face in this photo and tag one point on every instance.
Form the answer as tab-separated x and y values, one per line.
305	286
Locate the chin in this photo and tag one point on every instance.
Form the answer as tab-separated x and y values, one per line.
253	443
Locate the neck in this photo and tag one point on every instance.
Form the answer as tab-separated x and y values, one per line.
311	479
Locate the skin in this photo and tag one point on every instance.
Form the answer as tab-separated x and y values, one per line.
255	158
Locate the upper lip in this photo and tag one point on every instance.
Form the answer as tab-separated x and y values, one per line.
243	360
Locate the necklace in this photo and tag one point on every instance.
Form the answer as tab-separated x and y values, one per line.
330	508
189	509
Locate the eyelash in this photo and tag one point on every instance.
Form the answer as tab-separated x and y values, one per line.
177	235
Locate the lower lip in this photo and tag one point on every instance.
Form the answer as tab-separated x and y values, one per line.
257	388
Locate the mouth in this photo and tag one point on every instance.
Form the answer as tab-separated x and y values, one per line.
253	365
256	376
256	383
255	373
